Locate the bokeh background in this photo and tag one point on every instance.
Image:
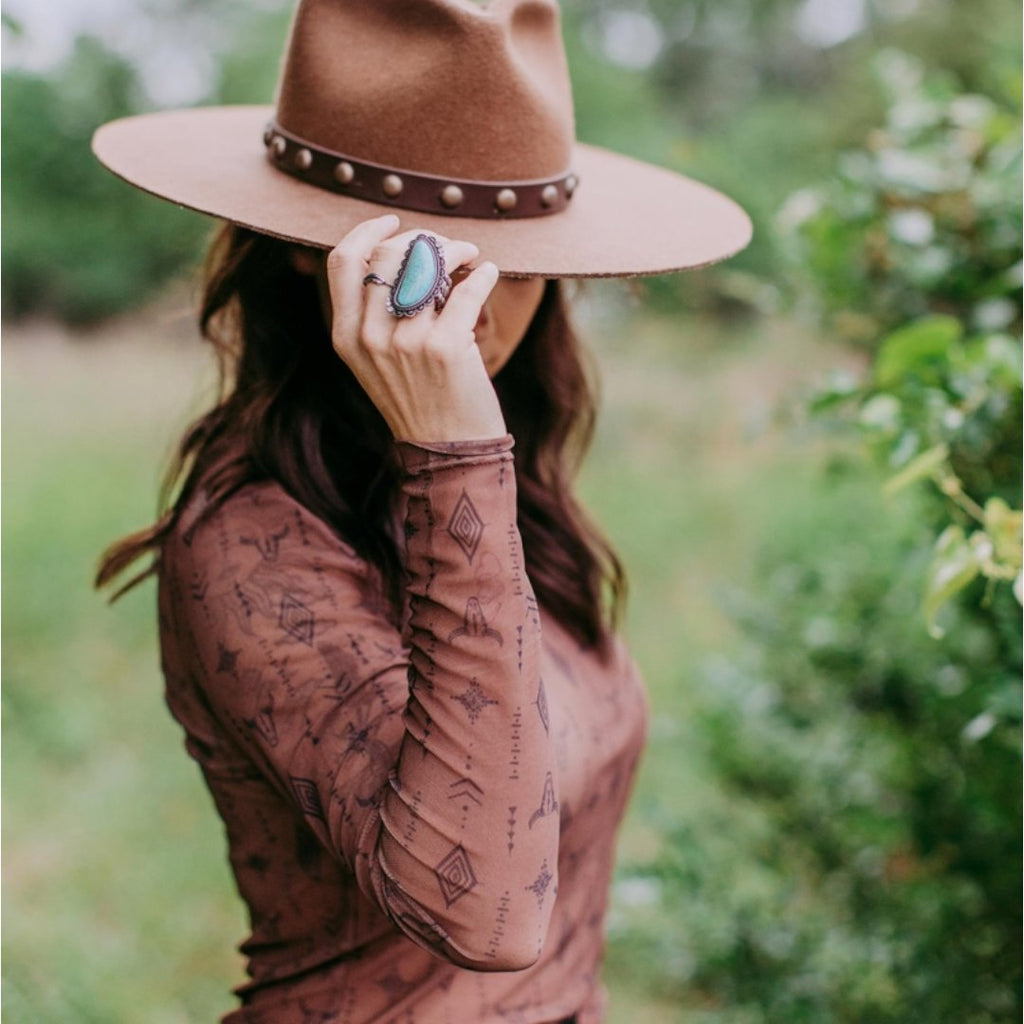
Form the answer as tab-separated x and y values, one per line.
809	458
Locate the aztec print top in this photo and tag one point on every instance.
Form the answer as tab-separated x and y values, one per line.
420	816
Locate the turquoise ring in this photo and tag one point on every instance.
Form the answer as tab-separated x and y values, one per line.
422	279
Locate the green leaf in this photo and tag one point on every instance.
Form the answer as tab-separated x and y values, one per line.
925	465
1004	527
921	349
954	565
881	413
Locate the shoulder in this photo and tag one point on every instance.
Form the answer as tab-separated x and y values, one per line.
260	534
261	517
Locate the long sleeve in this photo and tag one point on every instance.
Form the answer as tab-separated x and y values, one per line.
418	755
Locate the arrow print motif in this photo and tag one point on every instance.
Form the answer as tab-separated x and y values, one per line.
548	803
475	624
467	789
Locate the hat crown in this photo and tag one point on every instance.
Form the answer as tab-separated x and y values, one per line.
440	87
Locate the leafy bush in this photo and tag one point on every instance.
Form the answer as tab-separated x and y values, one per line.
867	869
949	409
888	759
923	219
915	250
879	878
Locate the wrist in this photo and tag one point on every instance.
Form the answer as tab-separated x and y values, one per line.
417	456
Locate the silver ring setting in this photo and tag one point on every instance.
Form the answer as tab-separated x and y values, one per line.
422	279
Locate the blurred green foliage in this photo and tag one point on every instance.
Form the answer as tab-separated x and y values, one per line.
924	218
77	243
867	869
915	249
959	401
744	95
880	880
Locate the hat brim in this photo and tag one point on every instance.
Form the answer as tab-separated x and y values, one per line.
626	218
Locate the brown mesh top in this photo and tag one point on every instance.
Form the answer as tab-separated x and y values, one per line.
420	815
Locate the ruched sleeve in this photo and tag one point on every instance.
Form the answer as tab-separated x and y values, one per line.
417	753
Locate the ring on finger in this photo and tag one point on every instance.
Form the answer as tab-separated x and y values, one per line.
439	300
422	279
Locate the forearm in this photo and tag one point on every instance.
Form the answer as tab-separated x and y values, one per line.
467	846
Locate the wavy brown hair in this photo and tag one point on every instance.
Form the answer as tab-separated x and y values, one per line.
291	411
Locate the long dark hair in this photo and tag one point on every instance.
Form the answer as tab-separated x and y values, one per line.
291	411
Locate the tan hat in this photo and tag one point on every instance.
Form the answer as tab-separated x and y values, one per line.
456	116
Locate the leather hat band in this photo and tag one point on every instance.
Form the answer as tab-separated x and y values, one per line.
412	191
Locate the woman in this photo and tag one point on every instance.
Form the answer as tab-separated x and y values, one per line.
386	627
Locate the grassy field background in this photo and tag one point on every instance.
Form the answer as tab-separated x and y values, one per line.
119	903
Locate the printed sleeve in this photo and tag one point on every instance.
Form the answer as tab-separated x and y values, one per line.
418	755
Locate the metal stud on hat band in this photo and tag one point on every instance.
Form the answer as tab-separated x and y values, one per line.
411	190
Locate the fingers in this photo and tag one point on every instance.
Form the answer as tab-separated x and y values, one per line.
346	267
386	261
361	322
462	309
386	258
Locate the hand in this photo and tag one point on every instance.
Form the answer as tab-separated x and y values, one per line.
424	373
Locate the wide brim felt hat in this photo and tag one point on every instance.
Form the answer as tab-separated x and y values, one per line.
456	117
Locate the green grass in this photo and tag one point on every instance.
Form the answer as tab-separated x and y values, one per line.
119	902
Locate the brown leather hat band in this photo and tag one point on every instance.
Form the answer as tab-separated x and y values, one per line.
412	191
